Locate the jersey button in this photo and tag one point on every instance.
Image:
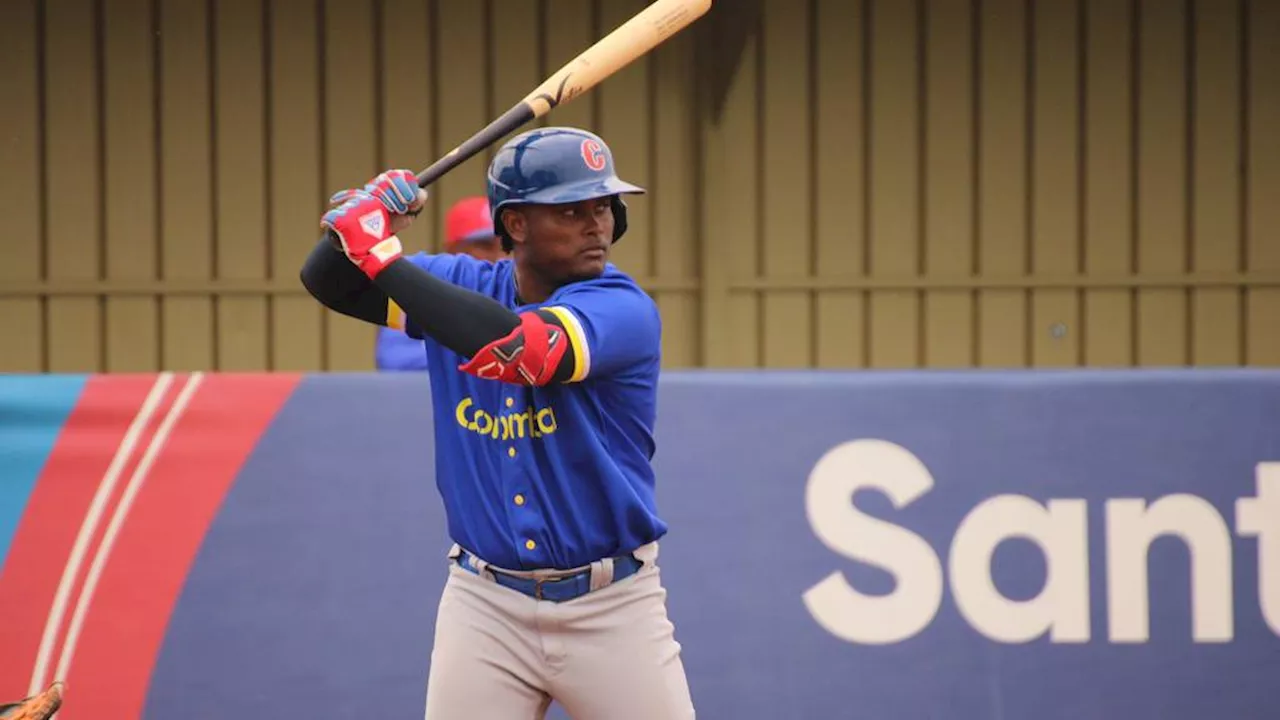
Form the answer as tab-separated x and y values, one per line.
519	499
529	545
510	402
511	452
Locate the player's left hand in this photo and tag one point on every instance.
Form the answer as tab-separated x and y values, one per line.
397	189
364	222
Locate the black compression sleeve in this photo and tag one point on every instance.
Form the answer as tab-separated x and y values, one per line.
462	320
340	286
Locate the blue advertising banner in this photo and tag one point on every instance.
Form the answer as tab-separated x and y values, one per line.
874	545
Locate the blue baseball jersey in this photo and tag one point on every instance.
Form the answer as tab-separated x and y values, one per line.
554	476
394	351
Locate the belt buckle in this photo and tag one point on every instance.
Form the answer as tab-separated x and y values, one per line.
539	581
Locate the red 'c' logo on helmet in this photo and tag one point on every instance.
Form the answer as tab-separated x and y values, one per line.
593	154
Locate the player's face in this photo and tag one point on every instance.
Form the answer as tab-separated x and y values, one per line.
569	241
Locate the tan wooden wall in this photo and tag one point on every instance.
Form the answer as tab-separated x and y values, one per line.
891	183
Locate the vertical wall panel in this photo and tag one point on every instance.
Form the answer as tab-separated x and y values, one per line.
131	324
72	166
570	28
840	192
351	86
787	236
516	66
1263	227
1162	181
625	124
240	183
1055	181
296	183
462	102
186	193
22	326
949	189
1216	320
406	120
1108	181
674	198
406	129
730	221
1002	180
895	180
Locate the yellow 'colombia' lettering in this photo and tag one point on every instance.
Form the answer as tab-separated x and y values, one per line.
515	424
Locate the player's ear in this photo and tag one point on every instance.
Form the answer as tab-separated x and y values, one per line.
516	223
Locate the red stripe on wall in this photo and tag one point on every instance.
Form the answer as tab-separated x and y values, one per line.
131	456
158	542
59	502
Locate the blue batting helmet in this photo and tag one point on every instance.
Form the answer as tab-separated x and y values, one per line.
552	165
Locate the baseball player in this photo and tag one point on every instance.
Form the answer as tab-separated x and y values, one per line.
544	370
468	229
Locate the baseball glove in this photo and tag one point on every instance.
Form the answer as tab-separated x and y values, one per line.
40	706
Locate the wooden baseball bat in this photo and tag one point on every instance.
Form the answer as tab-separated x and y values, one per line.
637	36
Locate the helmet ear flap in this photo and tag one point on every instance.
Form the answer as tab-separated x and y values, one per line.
619	216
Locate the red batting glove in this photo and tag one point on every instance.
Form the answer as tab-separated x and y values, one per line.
362	227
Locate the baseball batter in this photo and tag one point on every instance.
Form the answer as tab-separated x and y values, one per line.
544	433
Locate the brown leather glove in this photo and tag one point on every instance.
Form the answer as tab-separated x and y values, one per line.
40	706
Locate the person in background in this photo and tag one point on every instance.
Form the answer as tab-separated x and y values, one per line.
468	230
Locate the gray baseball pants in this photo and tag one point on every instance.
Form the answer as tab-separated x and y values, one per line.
608	655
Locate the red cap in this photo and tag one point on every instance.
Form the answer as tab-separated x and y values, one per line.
468	219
